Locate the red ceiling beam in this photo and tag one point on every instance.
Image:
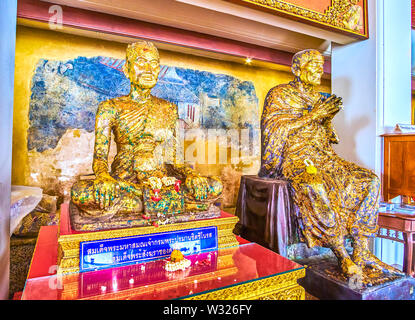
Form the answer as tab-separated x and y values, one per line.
95	21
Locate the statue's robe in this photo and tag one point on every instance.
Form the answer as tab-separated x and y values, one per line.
146	141
138	131
341	198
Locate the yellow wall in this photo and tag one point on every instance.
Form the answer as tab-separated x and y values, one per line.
34	44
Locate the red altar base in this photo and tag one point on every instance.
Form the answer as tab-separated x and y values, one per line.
217	274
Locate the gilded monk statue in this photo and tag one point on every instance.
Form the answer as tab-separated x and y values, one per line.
335	198
139	122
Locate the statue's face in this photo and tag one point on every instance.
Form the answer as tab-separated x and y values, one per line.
144	69
311	72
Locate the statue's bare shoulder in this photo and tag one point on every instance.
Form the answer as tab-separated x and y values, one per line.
106	112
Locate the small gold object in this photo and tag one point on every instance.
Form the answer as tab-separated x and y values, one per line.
177	262
176	256
310	168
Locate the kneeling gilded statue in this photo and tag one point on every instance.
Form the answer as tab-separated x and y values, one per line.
139	185
335	198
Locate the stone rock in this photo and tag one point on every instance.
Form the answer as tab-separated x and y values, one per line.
23	201
56	170
48	204
45	214
231	179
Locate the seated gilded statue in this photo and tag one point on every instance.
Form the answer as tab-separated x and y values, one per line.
335	198
140	184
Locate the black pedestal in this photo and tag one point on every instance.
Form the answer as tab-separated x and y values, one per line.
266	213
324	282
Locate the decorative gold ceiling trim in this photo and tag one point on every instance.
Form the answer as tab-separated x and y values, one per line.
333	18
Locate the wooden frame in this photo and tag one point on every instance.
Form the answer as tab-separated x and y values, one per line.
400	222
395	164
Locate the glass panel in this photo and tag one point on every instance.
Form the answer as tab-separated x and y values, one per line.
389	251
382	231
209	271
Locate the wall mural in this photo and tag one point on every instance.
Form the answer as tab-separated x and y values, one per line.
65	96
346	16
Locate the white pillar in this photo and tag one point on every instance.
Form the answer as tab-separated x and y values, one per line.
8	12
374	78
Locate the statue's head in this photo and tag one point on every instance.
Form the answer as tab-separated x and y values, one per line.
307	66
142	65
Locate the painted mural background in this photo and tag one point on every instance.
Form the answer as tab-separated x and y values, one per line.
65	96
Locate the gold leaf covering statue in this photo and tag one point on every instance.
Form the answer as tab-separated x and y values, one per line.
139	179
335	198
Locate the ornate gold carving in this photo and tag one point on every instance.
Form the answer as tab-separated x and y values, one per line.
341	14
283	286
294	293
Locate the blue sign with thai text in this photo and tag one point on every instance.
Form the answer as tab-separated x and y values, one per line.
108	253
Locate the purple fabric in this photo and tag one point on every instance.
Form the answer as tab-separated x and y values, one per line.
266	213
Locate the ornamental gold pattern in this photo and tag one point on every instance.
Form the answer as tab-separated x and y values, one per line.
144	176
279	287
294	293
344	15
335	198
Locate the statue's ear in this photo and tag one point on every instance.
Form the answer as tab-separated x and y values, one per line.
296	71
